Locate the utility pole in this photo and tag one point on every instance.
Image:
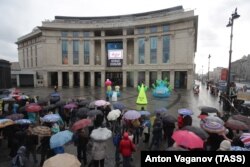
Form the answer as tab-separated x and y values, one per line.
209	56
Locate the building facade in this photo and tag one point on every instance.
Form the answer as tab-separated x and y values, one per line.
5	76
127	49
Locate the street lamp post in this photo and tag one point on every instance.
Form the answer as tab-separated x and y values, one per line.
230	24
209	56
202	75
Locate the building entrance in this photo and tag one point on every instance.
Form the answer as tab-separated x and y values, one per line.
180	79
115	77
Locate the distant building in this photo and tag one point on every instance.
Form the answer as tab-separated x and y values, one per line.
127	49
22	77
5	76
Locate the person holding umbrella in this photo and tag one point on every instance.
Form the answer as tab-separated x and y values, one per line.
81	139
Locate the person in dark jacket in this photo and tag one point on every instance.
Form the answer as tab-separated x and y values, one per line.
187	120
45	149
81	141
157	135
31	143
168	129
126	148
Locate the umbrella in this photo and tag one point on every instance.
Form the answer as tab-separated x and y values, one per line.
42	101
208	109
236	125
70	106
6	122
160	110
213	127
33	107
185	111
100	103
113	115
15	116
214	119
49	107
245	138
187	139
83	102
51	118
242	118
10	99
41	131
169	119
119	106
82	112
92	104
93	113
81	124
65	159
176	148
131	114
146	113
23	121
198	131
55	94
22	97
60	138
60	103
101	134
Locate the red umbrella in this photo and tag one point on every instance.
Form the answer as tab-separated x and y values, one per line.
187	139
33	107
81	124
236	125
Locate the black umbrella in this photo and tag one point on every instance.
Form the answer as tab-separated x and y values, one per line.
42	102
82	112
169	119
198	131
208	109
84	103
49	107
93	113
60	103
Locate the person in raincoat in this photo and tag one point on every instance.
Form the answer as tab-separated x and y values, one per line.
99	151
126	148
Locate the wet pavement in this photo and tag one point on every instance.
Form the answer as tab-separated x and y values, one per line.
178	99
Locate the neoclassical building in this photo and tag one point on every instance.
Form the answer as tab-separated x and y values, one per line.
127	49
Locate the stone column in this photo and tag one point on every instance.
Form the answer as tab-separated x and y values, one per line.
92	52
35	81
92	79
189	79
159	50
70	52
135	79
147	50
102	79
18	80
81	79
71	79
147	77
172	78
124	79
135	51
103	55
159	74
59	73
124	51
45	79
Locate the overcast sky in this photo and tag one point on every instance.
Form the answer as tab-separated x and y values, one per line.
19	17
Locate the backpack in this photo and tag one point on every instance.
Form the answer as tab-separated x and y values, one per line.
116	139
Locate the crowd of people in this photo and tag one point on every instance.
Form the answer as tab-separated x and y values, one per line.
129	128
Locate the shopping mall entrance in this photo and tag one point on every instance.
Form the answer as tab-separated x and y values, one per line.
115	77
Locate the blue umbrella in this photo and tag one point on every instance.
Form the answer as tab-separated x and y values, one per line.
146	113
23	121
51	118
55	94
185	111
60	138
160	110
119	106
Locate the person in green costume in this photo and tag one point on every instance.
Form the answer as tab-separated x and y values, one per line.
142	98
